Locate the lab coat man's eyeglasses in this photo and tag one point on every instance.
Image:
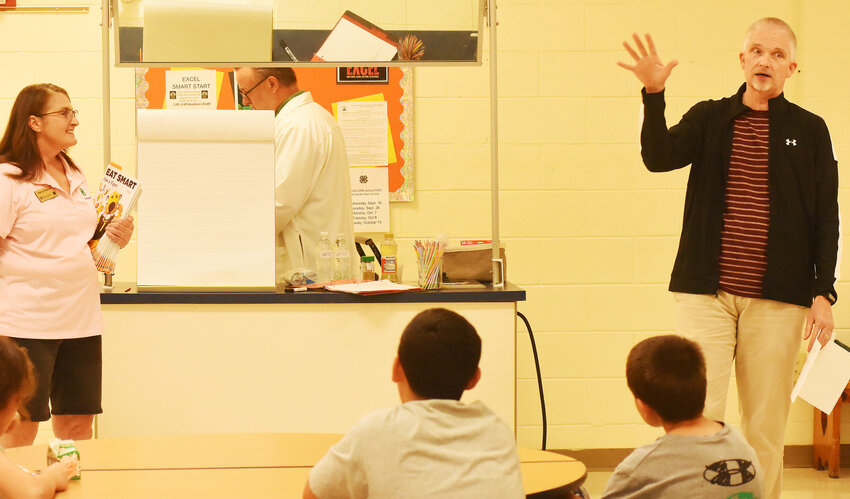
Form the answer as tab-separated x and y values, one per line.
245	93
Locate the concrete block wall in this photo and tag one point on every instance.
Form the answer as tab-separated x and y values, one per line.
590	234
599	258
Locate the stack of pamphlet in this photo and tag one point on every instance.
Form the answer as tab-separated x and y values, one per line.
116	199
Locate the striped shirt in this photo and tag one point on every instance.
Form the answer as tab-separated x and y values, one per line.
743	241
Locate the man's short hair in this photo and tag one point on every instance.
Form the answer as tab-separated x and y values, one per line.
286	76
439	352
667	373
778	23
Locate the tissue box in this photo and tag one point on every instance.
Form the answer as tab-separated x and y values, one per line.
472	261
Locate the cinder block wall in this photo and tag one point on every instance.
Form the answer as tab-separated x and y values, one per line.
590	234
595	232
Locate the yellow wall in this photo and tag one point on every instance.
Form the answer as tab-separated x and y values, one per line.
590	234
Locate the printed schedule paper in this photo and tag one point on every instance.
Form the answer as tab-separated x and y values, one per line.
370	199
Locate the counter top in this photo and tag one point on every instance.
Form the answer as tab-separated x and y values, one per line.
127	293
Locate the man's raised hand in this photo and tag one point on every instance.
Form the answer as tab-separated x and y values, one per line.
648	66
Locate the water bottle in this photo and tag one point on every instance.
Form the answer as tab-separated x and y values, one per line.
325	259
342	258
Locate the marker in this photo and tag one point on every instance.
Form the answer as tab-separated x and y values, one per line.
288	52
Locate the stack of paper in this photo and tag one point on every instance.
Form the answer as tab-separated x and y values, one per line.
371	287
824	375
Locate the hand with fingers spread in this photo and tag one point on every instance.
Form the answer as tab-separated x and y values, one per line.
648	66
819	323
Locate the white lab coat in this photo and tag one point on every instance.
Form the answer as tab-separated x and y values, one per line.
312	189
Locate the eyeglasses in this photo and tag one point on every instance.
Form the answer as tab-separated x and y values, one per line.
245	94
65	113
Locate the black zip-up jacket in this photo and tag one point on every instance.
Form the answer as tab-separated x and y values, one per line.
803	239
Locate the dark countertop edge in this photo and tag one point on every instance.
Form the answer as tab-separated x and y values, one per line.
510	293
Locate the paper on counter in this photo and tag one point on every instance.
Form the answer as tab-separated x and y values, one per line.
824	376
371	287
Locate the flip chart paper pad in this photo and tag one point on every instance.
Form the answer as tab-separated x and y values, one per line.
179	31
207	216
824	376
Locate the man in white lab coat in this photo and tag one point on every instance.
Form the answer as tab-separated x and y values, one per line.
312	190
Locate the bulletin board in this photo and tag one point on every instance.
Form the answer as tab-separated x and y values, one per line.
396	89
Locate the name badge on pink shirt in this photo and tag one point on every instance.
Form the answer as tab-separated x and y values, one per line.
46	194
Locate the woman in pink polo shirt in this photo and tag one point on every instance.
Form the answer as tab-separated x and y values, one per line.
49	293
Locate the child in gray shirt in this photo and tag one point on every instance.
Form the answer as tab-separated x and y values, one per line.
432	445
697	457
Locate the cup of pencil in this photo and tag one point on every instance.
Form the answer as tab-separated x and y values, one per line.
429	256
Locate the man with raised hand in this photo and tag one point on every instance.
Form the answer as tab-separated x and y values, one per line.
757	258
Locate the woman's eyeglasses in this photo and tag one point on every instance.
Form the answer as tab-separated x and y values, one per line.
65	113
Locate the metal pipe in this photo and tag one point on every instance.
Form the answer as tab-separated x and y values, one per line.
107	97
498	266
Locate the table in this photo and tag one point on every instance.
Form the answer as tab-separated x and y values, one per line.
278	362
255	465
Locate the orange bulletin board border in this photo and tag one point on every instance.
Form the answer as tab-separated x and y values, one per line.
321	82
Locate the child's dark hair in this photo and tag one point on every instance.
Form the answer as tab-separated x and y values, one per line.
439	352
16	374
668	374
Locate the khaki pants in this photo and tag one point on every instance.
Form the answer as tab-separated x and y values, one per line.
763	338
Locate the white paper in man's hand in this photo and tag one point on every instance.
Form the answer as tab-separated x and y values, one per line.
824	376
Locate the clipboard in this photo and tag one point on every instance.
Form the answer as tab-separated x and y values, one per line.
356	39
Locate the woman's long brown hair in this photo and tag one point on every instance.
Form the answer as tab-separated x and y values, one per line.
19	146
